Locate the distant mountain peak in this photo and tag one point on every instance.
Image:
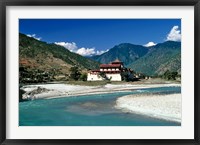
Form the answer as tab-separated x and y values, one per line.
125	52
149	44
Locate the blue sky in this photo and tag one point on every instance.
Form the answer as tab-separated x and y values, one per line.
95	36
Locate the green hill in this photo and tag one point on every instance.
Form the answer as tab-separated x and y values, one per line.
40	56
160	58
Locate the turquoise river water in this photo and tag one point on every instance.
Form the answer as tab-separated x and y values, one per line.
88	110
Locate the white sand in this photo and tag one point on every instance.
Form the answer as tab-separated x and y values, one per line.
160	106
66	90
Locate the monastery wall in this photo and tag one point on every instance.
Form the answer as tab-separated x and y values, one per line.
94	77
114	77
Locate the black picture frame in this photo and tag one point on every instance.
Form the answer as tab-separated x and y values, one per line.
5	3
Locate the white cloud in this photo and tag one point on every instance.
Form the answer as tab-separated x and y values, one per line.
101	52
70	46
86	51
34	36
82	51
174	34
149	44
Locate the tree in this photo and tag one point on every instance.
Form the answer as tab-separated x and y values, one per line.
170	75
103	75
127	75
83	77
75	73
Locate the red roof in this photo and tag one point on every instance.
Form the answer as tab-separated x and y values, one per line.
117	61
109	65
95	70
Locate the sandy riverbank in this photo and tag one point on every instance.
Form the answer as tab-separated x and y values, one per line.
166	107
67	90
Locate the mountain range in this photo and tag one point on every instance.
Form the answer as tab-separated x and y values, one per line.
151	61
155	60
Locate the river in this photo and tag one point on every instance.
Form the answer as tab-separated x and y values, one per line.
88	110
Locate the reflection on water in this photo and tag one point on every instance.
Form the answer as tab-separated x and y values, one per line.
90	110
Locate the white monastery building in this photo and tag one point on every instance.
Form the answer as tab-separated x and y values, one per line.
110	71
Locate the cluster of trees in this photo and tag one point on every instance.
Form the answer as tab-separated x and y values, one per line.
170	75
128	75
27	75
75	74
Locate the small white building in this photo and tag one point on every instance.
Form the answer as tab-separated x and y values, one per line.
110	71
94	75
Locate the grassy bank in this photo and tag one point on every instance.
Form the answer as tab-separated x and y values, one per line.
90	83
